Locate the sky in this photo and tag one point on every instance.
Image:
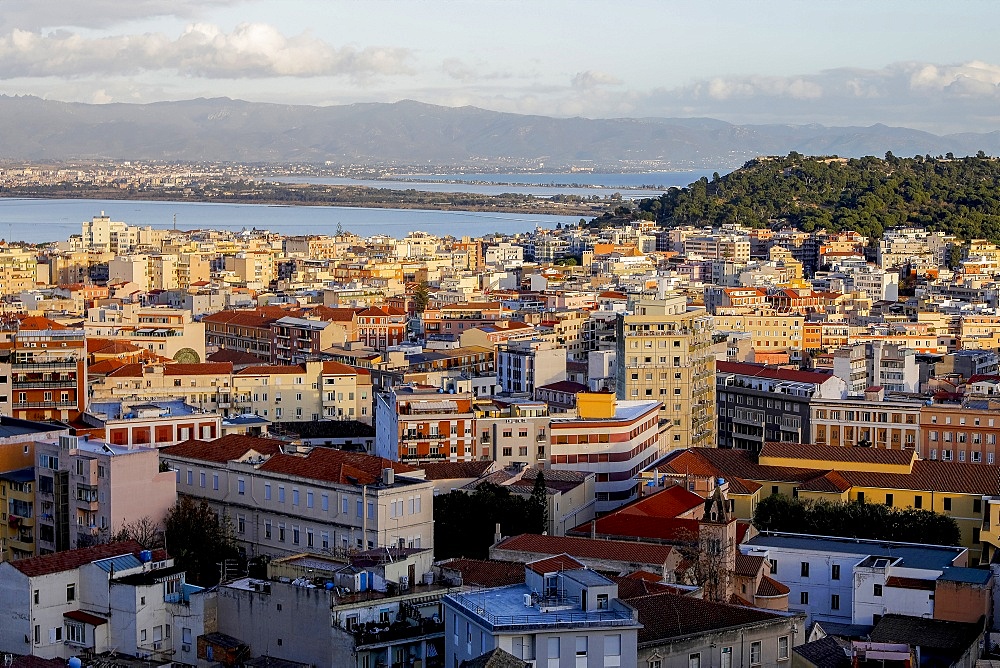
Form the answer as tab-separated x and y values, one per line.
929	65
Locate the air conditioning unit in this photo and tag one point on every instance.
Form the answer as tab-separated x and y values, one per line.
186	648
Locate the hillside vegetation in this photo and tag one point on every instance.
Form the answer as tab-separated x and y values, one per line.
955	195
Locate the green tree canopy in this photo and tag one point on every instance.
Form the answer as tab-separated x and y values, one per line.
465	523
855	520
199	540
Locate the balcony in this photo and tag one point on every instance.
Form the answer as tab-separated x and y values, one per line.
55	365
44	404
43	384
373	635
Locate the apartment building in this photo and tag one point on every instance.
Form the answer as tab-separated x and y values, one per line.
715	247
242	331
874	419
513	432
563	614
163	330
285	500
87	489
612	438
960	432
151	423
206	386
43	369
421	424
298	340
663	355
758	403
18	270
524	365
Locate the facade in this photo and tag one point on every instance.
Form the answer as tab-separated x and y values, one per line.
284	500
853	582
960	432
882	421
524	365
613	439
757	403
297	340
87	489
663	354
512	433
421	424
563	616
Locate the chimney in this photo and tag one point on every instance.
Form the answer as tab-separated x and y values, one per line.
497	536
388	476
593	528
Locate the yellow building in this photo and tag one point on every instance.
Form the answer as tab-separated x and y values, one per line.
664	354
896	478
18	270
768	333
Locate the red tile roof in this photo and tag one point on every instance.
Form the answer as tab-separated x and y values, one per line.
748	565
909	583
85	617
836	453
666	615
560	562
453	470
338	369
770	587
37	323
202	369
772	372
68	560
335	466
227	448
271	370
486	572
587	548
831	481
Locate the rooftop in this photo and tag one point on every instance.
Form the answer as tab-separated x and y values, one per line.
911	555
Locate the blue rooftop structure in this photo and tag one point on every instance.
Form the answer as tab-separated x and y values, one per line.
913	555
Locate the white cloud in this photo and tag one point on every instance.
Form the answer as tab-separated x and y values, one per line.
593	79
251	50
34	15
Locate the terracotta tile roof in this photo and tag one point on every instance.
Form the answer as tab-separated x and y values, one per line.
641	583
374	311
831	481
748	565
453	470
37	322
568	386
726	463
742	528
329	314
772	372
127	371
105	367
338	369
665	616
335	466
59	562
639	527
486	572
260	318
235	357
271	370
203	369
586	548
770	587
221	450
836	453
85	617
689	462
738	485
909	583
560	562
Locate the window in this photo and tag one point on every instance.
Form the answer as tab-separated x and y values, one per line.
804	598
835	572
241	486
36	597
694	660
977	506
782	648
70	592
918	501
201	479
888	500
295	497
281	494
215	483
755	653
325	502
804	569
581	645
835	602
774	566
553	652
727	657
267	491
947	504
74	633
309	499
613	645
877	590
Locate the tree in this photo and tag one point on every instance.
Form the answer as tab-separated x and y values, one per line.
421	296
540	497
199	540
856	519
144	531
465	523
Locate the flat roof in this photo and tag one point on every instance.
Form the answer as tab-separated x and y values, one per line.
10	427
912	555
503	607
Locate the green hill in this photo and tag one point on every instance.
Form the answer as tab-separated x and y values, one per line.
955	195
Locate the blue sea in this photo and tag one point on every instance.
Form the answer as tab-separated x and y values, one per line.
43	220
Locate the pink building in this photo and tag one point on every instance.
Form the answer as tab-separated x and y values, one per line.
87	489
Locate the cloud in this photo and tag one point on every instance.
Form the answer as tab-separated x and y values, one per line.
251	50
593	79
34	15
458	69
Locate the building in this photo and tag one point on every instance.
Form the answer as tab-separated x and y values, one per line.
524	365
163	330
563	615
875	419
891	366
758	403
284	499
47	370
420	424
512	432
960	432
297	340
155	423
18	270
663	354
611	438
86	490
849	581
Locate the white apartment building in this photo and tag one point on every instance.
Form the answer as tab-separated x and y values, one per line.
285	500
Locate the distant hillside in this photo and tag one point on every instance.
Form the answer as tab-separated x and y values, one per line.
869	195
412	133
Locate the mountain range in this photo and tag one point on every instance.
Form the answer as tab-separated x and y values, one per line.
413	133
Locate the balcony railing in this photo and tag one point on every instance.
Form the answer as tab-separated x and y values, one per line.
44	404
55	365
43	384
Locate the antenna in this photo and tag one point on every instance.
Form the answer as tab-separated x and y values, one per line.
175	222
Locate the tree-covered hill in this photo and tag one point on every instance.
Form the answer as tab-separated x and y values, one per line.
956	195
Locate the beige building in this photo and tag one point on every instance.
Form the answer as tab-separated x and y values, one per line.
285	500
663	353
875	420
255	268
165	331
18	270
